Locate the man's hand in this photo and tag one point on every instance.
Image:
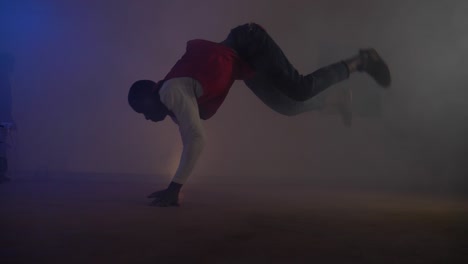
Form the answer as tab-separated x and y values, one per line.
165	198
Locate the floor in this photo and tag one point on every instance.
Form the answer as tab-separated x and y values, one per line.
105	221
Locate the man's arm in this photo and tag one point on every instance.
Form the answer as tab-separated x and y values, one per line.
179	97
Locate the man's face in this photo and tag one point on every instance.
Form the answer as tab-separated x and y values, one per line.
151	111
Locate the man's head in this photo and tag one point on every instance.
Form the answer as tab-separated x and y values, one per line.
143	97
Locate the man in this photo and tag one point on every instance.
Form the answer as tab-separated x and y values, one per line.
199	82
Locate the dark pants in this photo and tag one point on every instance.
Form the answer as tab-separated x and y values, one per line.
272	68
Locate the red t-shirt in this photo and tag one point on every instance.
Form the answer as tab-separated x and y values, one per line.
216	67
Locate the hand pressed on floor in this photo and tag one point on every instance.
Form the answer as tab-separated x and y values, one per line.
165	198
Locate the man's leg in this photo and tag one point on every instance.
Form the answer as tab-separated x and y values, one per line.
254	44
276	100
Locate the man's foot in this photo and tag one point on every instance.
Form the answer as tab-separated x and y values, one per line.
345	106
375	66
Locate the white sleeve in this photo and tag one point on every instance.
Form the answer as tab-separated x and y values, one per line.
179	97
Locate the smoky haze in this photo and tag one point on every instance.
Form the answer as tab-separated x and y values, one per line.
75	61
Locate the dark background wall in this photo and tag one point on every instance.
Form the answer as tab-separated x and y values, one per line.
75	61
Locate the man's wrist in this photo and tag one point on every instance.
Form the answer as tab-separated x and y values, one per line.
174	186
